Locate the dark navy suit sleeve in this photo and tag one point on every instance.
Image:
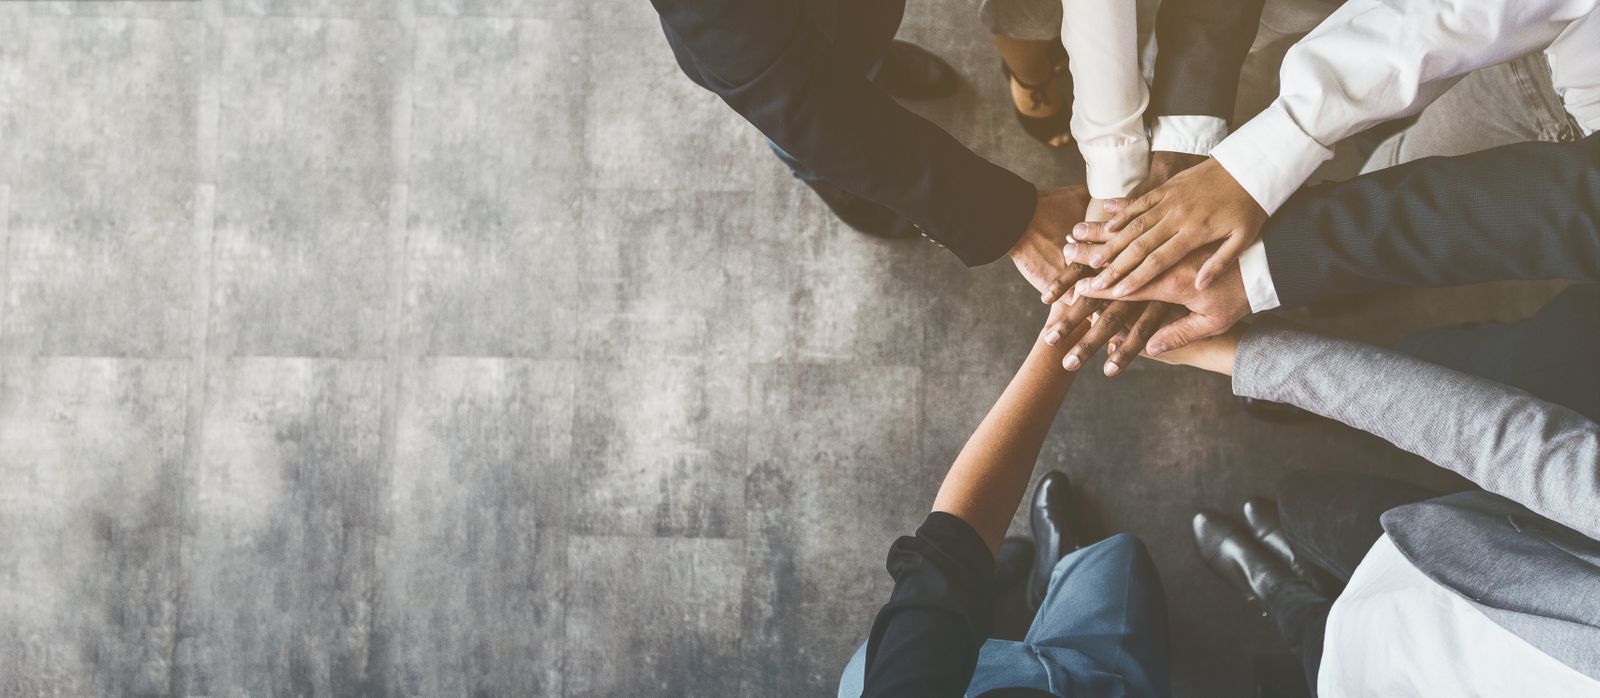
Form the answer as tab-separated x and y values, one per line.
767	61
1518	212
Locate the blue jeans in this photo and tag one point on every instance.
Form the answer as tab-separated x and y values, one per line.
1101	631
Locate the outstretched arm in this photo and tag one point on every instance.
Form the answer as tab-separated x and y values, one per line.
1519	212
1541	455
925	640
987	480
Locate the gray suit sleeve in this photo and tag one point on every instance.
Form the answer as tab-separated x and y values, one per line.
1541	455
1519	212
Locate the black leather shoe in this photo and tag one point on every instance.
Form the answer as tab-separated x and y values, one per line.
912	72
1261	515
1273	411
1013	563
1238	558
1052	537
863	215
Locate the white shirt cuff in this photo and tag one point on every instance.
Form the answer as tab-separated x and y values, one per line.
1195	135
1270	156
1258	288
1112	171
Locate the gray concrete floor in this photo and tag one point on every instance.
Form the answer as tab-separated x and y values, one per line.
448	347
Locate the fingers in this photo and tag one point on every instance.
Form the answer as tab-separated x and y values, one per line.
1129	248
1090	231
1081	252
1183	331
1074	316
1224	256
1169	288
1124	349
1063	283
1153	265
1113	318
1130	210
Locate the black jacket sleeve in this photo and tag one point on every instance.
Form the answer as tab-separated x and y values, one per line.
768	62
1518	212
925	641
1201	45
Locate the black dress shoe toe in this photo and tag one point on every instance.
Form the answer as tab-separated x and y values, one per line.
1052	537
1273	411
912	72
1236	556
1261	515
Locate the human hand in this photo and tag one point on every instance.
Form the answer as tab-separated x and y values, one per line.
1121	326
1214	354
1163	165
1196	207
1037	253
1211	310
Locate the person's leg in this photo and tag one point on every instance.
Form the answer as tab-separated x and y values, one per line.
854	679
1499	105
1552	355
1106	603
1332	518
1301	615
1027	35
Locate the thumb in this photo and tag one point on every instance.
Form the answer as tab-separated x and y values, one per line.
1182	332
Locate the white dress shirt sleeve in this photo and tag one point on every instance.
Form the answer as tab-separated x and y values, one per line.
1395	632
1109	94
1575	70
1372	61
1258	288
1195	135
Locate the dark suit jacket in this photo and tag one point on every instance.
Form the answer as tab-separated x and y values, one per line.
1519	212
796	70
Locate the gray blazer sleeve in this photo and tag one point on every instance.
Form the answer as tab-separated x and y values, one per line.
1519	212
1543	456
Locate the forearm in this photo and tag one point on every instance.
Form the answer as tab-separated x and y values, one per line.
1538	454
1519	212
1411	52
987	480
1109	94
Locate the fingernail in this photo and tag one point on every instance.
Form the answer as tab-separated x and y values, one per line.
1100	282
1053	337
1094	317
1112	368
1080	229
1069	249
1156	348
1111	348
1071	362
1120	291
1201	282
1097	261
